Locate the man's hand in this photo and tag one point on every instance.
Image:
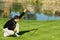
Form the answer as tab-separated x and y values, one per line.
15	30
25	10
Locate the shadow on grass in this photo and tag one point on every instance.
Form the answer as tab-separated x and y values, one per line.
26	31
23	32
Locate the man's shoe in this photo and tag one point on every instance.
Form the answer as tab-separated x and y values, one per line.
16	34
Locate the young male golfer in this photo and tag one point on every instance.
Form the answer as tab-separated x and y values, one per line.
10	28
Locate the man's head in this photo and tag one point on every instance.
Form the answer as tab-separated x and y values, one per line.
16	18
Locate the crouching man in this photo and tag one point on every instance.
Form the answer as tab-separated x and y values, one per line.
10	28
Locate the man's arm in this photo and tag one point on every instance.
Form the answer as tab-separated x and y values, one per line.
22	14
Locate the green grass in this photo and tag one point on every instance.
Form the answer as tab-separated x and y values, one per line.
46	30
